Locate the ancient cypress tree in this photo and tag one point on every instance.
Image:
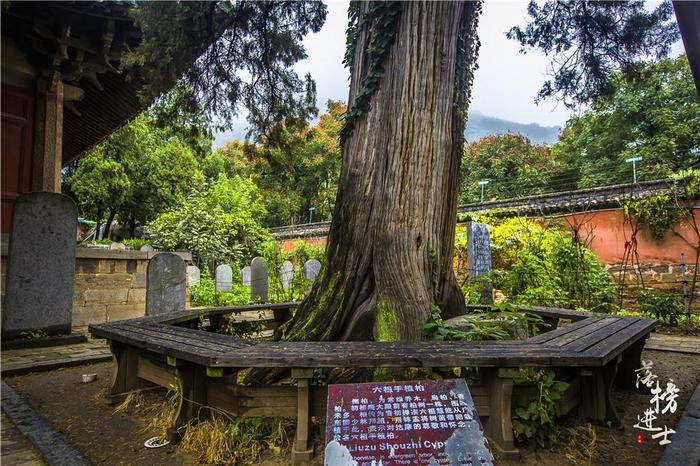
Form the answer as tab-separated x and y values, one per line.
390	248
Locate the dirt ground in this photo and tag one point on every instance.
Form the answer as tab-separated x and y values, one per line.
112	438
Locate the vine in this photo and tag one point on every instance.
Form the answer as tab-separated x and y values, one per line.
382	18
659	213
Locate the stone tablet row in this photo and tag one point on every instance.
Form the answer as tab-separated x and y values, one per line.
255	276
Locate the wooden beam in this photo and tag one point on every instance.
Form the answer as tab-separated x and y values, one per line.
48	139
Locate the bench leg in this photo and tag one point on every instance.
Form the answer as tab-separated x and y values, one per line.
631	361
124	378
302	450
192	383
499	427
596	393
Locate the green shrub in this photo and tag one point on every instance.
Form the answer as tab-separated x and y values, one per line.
535	419
136	243
543	265
662	306
204	294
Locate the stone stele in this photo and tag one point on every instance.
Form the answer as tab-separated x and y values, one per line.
258	280
165	284
40	265
193	275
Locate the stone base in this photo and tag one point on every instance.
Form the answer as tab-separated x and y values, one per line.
513	454
59	340
301	456
10	332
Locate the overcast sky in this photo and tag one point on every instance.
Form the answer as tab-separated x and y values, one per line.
505	84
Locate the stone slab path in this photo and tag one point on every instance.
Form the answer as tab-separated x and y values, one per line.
54	449
685	446
676	343
25	360
16	449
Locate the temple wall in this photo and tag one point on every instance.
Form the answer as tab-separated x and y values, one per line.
109	284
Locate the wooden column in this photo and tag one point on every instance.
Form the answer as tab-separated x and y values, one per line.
48	140
596	394
499	427
302	450
124	376
631	361
192	383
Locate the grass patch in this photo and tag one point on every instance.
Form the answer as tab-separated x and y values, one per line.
223	439
579	444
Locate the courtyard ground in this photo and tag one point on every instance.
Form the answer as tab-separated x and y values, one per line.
104	436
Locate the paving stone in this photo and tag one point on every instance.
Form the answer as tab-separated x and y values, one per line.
684	449
693	407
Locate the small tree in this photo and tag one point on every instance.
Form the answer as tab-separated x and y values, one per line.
101	185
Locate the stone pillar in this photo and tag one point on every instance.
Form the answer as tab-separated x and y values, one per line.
48	140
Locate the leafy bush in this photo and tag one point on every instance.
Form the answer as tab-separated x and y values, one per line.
535	420
660	305
538	265
435	329
219	224
204	293
136	243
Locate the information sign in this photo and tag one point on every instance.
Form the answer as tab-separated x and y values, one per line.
431	422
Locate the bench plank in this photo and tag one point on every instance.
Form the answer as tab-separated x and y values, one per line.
380	354
178	337
600	334
156	345
610	348
546	337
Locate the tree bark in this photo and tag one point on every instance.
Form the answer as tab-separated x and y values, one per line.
108	224
132	224
391	241
98	223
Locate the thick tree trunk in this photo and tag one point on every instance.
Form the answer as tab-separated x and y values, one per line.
391	242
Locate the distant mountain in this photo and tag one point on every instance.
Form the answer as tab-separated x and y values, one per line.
480	125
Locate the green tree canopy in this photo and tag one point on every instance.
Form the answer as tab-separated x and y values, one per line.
511	163
243	54
100	184
655	116
216	224
588	41
159	170
296	168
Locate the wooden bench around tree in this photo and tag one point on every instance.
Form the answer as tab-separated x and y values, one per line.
176	349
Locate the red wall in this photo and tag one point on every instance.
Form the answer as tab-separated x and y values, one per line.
610	234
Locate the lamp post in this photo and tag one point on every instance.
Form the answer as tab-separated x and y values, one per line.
311	213
483	183
634	161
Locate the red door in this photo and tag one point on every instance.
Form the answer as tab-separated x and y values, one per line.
17	144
